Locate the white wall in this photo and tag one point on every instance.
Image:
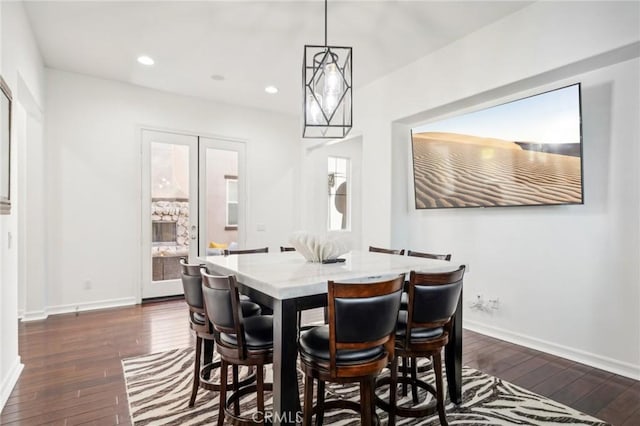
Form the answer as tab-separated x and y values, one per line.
94	179
568	277
21	67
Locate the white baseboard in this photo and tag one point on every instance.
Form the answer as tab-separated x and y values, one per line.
10	381
90	306
33	316
594	360
78	307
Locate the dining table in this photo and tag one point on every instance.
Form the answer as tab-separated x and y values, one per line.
286	283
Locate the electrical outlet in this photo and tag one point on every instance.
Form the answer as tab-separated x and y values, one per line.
87	285
494	304
478	304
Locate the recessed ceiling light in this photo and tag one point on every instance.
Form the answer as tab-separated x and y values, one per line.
217	77
272	90
146	60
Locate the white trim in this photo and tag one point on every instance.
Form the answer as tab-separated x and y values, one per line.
90	306
33	316
10	381
594	360
77	307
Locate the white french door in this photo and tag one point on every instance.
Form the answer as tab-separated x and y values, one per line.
169	209
192	204
222	195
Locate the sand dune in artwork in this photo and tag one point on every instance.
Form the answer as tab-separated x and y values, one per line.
461	171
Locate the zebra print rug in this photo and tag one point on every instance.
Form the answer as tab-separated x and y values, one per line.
159	386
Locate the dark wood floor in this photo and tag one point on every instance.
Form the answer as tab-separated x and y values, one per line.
73	374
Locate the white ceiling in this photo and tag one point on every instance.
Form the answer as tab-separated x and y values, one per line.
251	43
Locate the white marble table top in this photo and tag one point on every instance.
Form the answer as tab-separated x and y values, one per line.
288	275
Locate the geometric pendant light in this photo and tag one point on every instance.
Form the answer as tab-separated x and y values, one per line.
327	88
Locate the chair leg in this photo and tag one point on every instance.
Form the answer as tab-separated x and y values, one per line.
236	387
372	392
208	355
307	411
260	391
365	402
414	379
404	376
223	391
196	372
320	404
392	391
437	368
299	328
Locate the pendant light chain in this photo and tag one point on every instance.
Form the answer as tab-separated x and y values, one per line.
325	23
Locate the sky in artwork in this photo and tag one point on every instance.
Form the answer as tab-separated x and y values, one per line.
551	117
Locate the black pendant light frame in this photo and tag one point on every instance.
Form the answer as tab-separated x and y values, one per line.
321	121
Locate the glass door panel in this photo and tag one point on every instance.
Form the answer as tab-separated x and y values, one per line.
170	213
221	195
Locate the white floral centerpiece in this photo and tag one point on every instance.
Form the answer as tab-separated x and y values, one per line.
318	248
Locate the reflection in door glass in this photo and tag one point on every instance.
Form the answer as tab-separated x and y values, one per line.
221	216
169	209
338	211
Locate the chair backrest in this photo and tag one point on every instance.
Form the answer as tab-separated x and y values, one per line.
247	251
362	315
387	251
192	285
282	248
429	255
222	306
433	299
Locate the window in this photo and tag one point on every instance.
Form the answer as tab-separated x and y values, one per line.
338	202
232	202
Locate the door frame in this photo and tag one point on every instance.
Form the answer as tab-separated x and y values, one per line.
144	271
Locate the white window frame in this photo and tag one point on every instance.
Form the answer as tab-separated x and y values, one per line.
228	181
348	180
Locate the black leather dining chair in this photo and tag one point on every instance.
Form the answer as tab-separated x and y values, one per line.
203	364
447	257
423	331
239	341
354	347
